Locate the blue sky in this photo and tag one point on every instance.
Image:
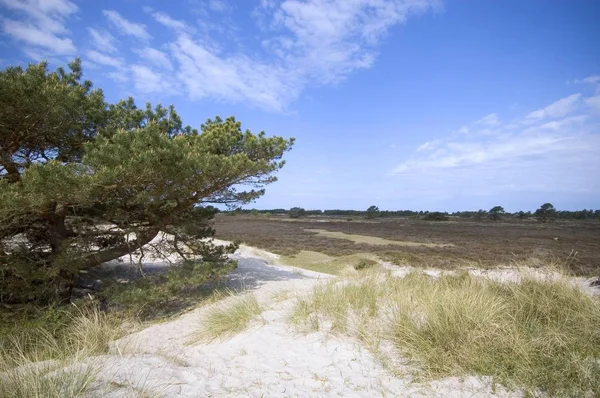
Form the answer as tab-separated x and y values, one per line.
405	104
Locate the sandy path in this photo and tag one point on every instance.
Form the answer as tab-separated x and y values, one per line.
269	359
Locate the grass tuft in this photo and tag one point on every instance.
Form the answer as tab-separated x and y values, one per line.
540	335
229	317
39	363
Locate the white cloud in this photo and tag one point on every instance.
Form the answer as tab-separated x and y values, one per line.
40	25
156	57
103	40
104	59
329	39
594	79
146	80
593	102
219	5
531	154
429	145
489	120
38	38
126	27
309	42
47	15
237	78
167	21
560	108
118	77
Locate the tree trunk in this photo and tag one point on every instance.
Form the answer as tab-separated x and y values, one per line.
113	253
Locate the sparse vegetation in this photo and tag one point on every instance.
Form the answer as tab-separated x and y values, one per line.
496	213
165	294
45	362
538	334
448	245
323	263
229	317
373	212
546	213
296	212
365	264
436	216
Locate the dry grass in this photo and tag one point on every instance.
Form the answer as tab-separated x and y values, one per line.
228	317
323	263
38	364
373	240
541	335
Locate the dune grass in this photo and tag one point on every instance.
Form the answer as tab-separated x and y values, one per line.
228	317
40	363
539	335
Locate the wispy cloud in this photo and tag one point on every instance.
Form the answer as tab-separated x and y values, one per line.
126	27
554	149
156	57
236	78
103	40
560	108
306	42
103	59
328	40
40	25
594	79
489	120
166	20
219	5
147	80
593	102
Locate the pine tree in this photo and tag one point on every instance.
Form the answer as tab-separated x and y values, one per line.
83	182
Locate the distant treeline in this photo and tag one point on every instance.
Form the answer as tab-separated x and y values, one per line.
374	212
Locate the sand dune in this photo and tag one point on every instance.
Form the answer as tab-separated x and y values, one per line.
270	359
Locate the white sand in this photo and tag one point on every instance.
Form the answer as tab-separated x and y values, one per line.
270	359
502	274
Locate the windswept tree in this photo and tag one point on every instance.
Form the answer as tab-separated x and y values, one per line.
496	213
83	182
546	213
373	212
296	212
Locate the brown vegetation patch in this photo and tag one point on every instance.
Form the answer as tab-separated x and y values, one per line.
482	244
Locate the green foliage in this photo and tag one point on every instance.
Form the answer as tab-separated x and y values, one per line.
365	264
296	212
496	213
156	296
436	216
373	212
83	182
546	213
